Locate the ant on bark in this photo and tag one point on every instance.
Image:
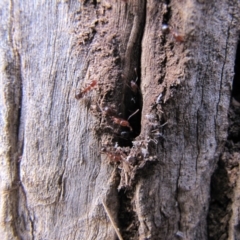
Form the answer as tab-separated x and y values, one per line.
86	90
123	122
133	84
176	35
115	154
110	112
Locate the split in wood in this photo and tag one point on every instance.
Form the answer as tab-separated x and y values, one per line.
111	220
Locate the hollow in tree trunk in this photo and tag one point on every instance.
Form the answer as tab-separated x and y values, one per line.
119	119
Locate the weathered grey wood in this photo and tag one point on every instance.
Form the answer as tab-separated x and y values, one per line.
196	86
10	99
54	178
63	179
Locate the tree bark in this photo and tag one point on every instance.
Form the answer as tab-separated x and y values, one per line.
83	167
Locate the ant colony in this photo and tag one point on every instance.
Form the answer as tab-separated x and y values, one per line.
136	151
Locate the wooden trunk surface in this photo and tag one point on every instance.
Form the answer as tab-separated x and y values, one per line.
56	180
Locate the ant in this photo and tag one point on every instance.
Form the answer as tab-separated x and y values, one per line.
123	122
108	111
85	90
115	155
178	37
133	84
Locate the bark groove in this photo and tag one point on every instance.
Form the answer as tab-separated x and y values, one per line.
78	166
223	218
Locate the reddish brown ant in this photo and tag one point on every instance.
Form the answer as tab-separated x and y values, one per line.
115	155
121	122
133	84
85	90
178	37
109	111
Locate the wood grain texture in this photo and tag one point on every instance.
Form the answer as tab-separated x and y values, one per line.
63	177
196	87
62	45
10	102
54	177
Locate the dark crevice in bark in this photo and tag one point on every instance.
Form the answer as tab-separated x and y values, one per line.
20	142
129	223
61	185
236	80
19	96
128	220
177	196
19	116
132	100
94	2
167	14
223	67
20	146
13	95
132	103
22	190
127	217
224	179
219	214
165	30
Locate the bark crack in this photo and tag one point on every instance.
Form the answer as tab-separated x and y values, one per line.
224	63
28	211
224	178
223	182
198	130
177	195
165	22
12	114
128	219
